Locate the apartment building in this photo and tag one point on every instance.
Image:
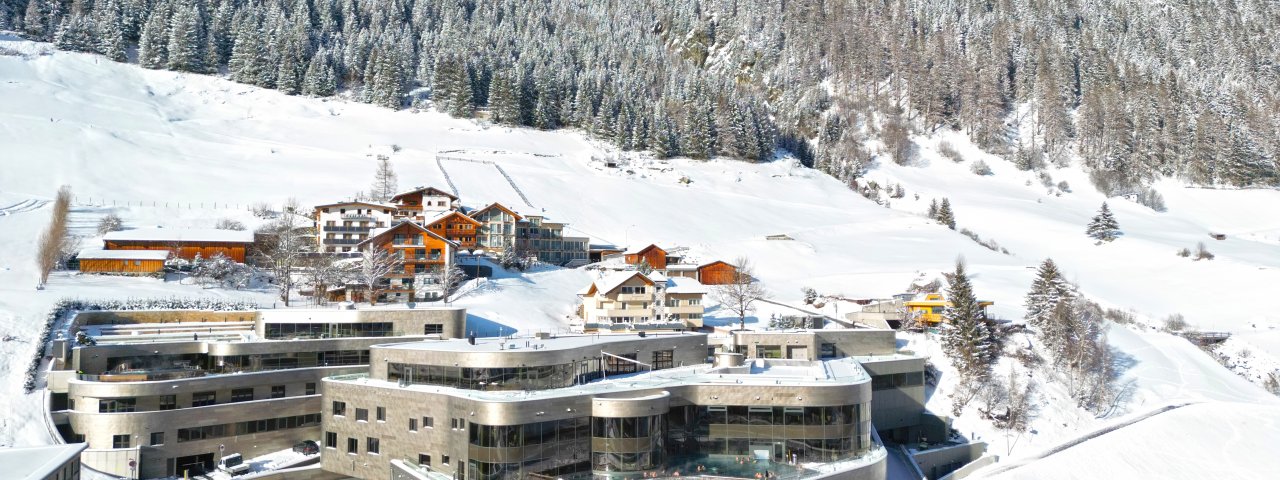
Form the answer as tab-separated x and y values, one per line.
422	203
341	226
172	391
498	227
630	300
424	255
546	241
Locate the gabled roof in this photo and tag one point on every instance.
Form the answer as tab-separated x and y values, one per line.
713	262
413	226
611	282
499	207
356	202
425	191
645	249
444	215
209	235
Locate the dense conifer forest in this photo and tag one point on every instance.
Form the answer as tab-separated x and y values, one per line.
1136	89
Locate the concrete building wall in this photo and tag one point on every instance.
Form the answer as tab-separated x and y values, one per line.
408	321
938	462
807	344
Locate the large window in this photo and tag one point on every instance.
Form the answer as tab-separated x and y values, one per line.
246	428
511	378
432	329
279	331
663	359
157	438
117	405
615	365
200	399
768	351
168	402
120	441
241	395
897	380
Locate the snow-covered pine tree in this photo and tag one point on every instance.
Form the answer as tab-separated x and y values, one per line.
319	78
76	33
384	181
245	63
109	30
1047	291
1103	226
967	338
945	216
504	104
185	46
933	209
153	45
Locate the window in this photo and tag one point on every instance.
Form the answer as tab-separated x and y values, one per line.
424	460
362	414
632	290
157	438
119	441
768	351
428	422
277	391
311	388
444	459
339	409
241	395
371	445
827	350
168	402
432	328
353	446
695	301
458	424
117	405
200	399
382	414
663	359
330	440
413	424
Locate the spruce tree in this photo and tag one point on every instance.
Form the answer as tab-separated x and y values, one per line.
945	215
319	78
1047	291
109	30
76	33
967	338
1103	226
186	40
933	209
153	45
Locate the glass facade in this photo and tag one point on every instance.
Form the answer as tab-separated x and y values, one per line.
542	377
282	361
281	331
809	433
512	452
629	444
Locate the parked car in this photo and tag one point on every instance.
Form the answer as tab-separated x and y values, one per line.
307	447
233	464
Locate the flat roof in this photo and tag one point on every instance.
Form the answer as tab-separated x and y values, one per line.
99	254
759	372
37	462
503	344
160	234
338	315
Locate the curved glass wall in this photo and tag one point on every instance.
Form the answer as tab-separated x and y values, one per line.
513	452
777	433
542	377
628	444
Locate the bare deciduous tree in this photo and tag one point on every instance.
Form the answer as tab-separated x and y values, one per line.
375	264
384	181
285	245
324	270
110	223
740	294
229	224
53	243
450	279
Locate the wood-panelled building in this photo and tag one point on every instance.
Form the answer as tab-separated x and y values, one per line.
128	262
184	243
653	254
455	227
423	202
425	255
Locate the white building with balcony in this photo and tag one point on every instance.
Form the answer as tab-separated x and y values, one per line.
342	226
622	301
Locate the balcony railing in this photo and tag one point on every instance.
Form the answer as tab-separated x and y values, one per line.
342	241
144	375
357	216
337	228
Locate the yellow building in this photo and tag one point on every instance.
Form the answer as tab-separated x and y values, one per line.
931	307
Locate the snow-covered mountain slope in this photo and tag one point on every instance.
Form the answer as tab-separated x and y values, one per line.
186	150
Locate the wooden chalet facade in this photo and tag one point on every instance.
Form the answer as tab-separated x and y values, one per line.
654	255
717	272
423	202
341	226
456	227
183	243
122	262
425	255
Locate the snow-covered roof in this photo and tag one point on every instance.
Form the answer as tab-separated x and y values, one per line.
682	267
100	254
633	251
37	462
686	285
357	202
159	234
610	282
657	276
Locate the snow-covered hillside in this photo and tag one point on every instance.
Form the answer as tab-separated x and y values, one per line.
186	150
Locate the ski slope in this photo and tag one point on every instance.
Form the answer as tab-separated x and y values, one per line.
187	150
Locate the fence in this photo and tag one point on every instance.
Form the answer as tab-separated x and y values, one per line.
111	202
510	181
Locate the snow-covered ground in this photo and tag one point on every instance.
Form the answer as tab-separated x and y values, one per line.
187	150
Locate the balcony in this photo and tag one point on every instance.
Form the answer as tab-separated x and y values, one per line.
358	216
336	228
342	241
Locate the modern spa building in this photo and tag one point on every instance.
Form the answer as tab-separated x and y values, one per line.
617	407
163	393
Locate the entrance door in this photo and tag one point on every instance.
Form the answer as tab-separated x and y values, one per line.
798	352
194	464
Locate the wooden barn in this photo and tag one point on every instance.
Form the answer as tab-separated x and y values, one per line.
654	255
128	262
717	273
185	243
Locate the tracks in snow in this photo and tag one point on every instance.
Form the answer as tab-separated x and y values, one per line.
27	205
